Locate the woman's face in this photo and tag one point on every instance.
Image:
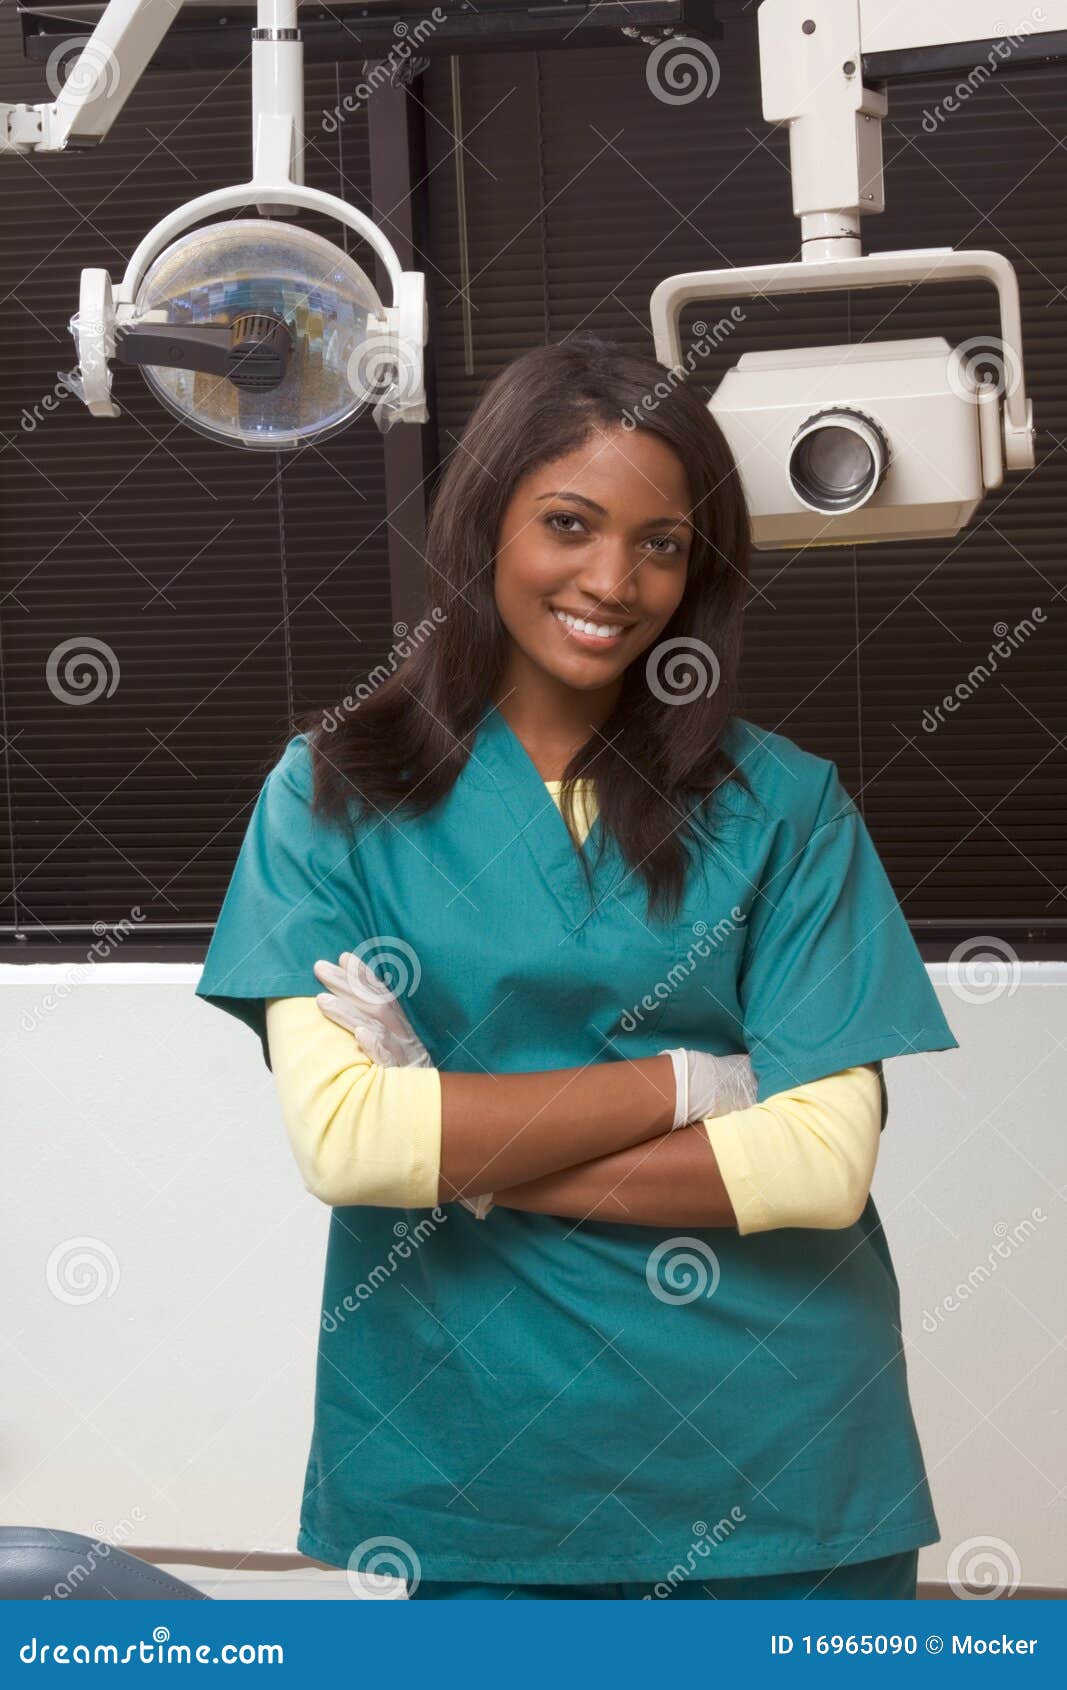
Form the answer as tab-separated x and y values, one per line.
601	535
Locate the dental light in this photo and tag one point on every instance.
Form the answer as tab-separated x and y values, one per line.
902	439
256	332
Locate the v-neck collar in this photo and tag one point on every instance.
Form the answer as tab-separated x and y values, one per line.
540	827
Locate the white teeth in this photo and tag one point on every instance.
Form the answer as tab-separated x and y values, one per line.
602	630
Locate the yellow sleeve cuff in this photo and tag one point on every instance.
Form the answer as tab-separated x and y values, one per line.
803	1157
361	1133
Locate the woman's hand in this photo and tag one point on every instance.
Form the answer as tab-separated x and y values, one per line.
710	1085
358	1000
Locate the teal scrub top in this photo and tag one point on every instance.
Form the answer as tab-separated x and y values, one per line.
535	1399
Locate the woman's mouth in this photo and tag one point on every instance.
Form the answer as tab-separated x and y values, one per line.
590	635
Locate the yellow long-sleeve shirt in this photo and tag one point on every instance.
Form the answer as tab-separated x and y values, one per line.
363	1133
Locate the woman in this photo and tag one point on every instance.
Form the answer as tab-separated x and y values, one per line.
668	1360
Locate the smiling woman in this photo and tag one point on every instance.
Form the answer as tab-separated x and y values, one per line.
548	1398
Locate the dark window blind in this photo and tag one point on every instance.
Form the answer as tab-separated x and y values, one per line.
582	192
225	589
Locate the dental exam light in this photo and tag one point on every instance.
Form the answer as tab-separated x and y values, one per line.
837	445
253	331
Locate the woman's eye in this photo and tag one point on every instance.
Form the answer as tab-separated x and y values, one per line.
563	516
665	540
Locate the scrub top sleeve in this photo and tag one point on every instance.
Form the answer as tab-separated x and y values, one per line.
831	976
289	901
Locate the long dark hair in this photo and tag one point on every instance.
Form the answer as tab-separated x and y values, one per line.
403	741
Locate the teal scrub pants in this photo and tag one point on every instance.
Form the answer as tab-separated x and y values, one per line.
890	1577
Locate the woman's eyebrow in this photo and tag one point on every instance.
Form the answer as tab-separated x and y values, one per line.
591	504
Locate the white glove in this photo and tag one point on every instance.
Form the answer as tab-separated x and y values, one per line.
359	1001
709	1085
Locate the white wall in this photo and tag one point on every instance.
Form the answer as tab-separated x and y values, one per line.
173	1407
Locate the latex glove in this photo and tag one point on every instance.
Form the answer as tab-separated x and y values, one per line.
709	1085
361	1003
358	1000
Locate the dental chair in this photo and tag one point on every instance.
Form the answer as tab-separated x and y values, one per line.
38	1564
